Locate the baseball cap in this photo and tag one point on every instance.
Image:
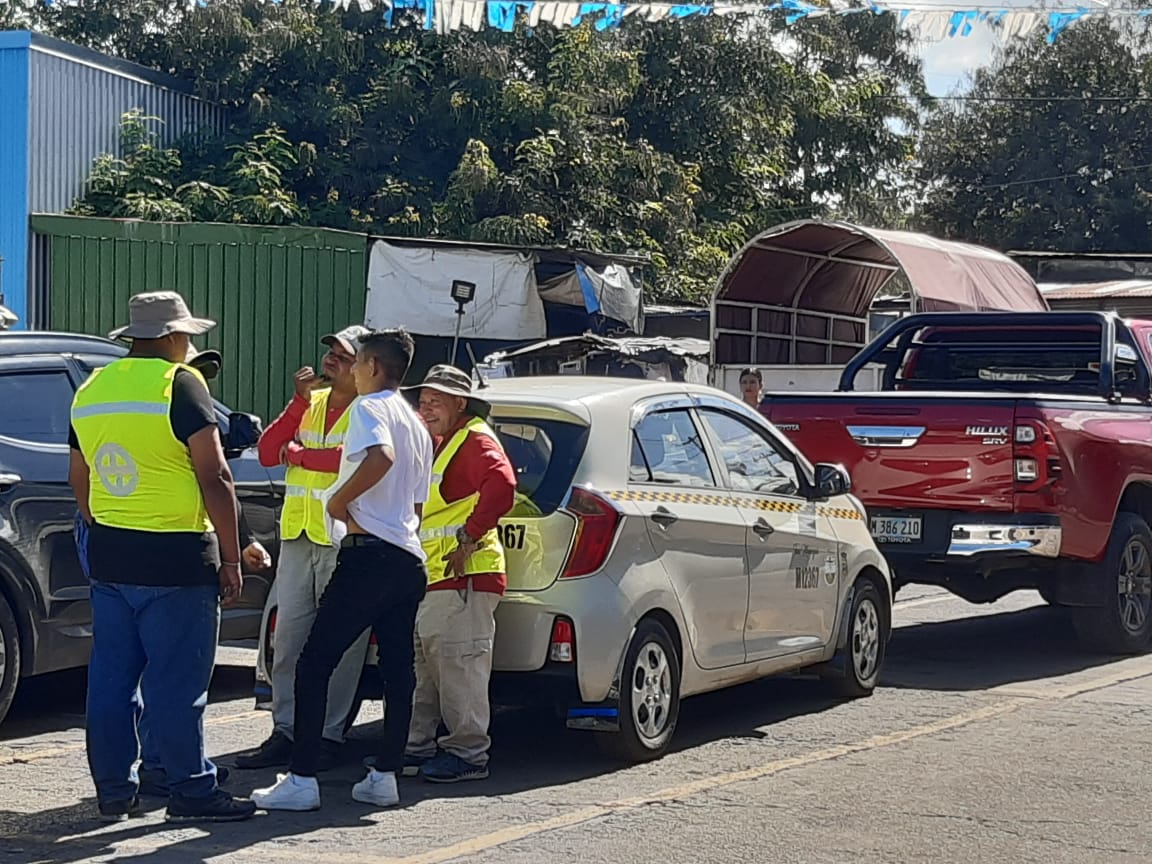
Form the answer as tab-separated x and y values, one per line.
349	338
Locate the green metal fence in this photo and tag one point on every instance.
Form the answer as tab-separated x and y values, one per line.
274	291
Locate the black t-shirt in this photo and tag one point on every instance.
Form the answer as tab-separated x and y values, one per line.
153	557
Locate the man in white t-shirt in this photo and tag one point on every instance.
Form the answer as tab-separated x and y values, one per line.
379	581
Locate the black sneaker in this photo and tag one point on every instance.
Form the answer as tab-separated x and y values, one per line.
276	752
217	807
154	781
119	811
329	755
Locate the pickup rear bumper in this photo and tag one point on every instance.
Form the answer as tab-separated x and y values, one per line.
976	538
980	557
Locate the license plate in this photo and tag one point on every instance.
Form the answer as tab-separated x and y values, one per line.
896	529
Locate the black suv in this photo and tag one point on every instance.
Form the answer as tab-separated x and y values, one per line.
45	618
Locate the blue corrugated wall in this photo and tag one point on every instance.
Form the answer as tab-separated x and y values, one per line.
15	49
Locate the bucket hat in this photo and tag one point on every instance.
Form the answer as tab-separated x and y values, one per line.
157	314
451	381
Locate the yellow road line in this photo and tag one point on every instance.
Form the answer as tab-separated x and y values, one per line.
8	756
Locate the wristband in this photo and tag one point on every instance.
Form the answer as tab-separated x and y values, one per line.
230	564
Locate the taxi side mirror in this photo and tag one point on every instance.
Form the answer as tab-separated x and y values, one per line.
832	480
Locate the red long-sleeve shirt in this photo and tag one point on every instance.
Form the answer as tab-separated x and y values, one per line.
282	431
480	465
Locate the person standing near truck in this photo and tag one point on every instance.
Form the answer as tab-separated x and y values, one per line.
309	438
473	487
752	387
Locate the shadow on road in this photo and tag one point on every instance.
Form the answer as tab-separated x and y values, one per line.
55	702
980	652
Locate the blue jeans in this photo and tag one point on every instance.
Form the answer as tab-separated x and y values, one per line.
161	641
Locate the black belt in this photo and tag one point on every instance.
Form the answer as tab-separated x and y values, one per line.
353	540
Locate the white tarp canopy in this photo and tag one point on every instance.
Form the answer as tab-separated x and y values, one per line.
408	286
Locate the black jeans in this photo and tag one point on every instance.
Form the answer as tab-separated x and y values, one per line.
375	585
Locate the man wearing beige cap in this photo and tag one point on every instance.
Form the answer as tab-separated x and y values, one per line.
308	437
163	547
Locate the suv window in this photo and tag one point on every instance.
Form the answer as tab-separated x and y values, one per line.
545	454
667	448
754	462
37	406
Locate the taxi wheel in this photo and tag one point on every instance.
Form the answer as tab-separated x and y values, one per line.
9	657
867	640
649	697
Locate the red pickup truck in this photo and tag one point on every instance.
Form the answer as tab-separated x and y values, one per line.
1004	451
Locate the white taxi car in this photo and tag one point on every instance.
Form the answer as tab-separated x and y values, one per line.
668	541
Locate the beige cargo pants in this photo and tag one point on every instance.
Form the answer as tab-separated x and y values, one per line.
302	574
454	632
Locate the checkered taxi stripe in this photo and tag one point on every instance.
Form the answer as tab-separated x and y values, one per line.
682	497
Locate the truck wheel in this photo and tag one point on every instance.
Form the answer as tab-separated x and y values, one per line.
9	657
649	697
867	640
1122	623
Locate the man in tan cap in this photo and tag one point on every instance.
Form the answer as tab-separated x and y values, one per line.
473	486
308	437
152	483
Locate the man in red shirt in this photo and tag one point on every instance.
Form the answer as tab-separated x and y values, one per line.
473	486
309	438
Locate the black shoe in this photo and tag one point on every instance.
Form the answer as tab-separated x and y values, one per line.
154	781
273	753
329	755
118	811
217	807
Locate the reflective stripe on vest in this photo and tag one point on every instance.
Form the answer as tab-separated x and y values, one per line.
303	511
442	519
140	474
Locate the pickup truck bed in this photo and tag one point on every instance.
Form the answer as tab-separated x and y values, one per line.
1006	451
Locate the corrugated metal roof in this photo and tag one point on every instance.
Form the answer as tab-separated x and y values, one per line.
1118	289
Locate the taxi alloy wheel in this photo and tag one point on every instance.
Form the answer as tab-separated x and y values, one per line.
863	655
649	697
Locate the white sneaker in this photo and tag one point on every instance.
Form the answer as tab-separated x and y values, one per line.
289	793
377	788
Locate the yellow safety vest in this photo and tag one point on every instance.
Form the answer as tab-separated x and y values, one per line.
303	511
442	520
140	474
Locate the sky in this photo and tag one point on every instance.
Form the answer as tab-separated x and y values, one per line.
947	64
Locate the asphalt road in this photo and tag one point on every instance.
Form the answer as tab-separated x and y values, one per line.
992	739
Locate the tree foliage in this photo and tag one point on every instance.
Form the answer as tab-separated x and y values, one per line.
1052	149
679	139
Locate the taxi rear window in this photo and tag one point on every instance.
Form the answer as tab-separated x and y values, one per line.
545	454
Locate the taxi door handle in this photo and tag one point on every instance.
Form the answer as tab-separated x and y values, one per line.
762	528
7	481
663	517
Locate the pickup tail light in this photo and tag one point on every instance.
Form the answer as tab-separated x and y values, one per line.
596	524
562	645
1035	458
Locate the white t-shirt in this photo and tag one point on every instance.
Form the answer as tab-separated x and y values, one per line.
387	510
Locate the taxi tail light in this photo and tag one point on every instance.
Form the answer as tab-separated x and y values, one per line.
596	524
1035	458
562	645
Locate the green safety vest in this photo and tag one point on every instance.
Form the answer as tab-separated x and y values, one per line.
140	474
442	520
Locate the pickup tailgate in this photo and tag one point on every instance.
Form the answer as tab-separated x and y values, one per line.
909	451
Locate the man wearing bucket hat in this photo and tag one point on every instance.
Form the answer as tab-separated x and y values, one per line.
152	776
308	437
473	486
152	483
